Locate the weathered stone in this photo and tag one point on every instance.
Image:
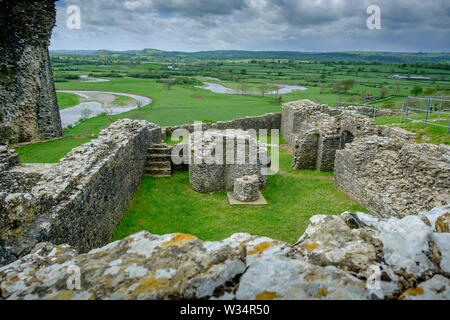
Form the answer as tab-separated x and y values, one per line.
279	277
142	266
432	217
179	266
315	132
8	158
405	246
329	241
269	121
246	189
392	177
217	158
80	200
443	223
28	105
351	220
437	288
442	241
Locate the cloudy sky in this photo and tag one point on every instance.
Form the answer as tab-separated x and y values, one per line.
294	25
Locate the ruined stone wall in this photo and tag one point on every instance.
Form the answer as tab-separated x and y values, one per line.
28	104
240	155
315	133
379	166
80	200
296	114
392	176
267	121
331	261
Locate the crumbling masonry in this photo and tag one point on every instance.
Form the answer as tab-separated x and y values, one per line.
28	104
379	166
56	216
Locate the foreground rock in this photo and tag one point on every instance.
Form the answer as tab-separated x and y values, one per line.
352	256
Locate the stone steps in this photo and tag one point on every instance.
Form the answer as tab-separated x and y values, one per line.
158	157
158	172
159	162
159	150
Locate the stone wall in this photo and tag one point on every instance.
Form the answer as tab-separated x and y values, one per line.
80	200
392	176
217	158
28	104
407	259
379	166
267	121
314	133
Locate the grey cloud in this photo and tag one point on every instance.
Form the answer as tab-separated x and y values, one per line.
191	25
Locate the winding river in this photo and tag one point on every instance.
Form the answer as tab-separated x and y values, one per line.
218	88
90	109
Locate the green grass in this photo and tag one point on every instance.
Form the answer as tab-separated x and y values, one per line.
179	105
438	134
251	87
169	205
122	100
67	100
49	152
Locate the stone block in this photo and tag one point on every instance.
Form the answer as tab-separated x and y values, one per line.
246	189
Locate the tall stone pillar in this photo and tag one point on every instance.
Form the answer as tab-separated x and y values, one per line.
28	104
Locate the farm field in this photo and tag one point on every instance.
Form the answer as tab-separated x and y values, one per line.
177	100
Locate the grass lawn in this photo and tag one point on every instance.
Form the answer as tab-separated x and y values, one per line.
168	205
251	87
179	105
438	134
49	152
67	100
122	100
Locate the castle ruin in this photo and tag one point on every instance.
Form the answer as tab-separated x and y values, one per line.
28	105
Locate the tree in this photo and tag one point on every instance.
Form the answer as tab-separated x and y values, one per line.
430	91
383	92
243	87
343	85
139	104
169	83
416	91
263	88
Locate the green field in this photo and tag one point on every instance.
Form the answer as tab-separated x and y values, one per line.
49	152
67	100
121	101
169	205
174	106
184	103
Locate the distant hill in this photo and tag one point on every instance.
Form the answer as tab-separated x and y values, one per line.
158	55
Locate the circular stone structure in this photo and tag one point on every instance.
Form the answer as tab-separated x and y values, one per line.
246	189
218	157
